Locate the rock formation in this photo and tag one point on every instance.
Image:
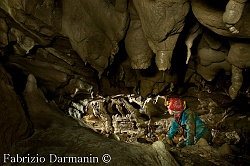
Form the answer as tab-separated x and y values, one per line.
15	126
52	125
81	52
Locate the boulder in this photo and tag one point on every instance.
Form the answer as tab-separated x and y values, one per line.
14	126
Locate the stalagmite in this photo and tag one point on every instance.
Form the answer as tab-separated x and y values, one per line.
237	80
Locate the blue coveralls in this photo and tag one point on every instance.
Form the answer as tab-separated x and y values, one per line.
192	125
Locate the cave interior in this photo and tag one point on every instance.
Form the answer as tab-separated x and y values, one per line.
90	74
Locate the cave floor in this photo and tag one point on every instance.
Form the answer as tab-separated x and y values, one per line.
229	121
228	115
185	158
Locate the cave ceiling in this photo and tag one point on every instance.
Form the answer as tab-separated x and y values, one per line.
142	46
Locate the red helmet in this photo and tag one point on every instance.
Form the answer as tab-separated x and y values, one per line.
176	104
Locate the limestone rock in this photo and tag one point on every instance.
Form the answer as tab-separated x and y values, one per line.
164	156
162	28
202	142
67	139
139	52
3	33
212	48
209	72
210	14
14	126
239	53
95	38
224	150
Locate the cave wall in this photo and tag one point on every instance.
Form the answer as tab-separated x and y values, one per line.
79	48
151	33
15	126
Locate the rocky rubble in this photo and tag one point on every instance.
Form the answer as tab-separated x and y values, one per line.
58	136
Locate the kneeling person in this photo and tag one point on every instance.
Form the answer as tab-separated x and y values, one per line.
192	125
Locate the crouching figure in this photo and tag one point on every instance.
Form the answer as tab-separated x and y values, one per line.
193	127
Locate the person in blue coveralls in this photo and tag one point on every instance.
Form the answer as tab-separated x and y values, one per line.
193	127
